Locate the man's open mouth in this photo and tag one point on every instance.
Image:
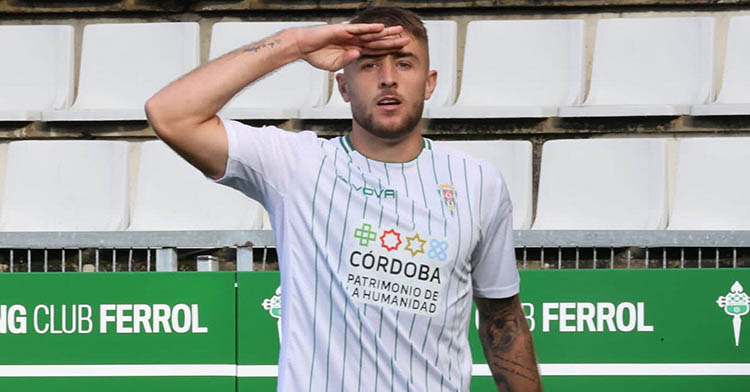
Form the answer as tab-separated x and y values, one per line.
389	102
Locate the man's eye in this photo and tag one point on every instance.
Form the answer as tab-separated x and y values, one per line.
369	65
404	64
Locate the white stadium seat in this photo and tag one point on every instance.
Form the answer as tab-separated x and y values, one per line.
278	95
519	69
173	195
36	72
336	108
513	160
603	184
65	185
266	221
711	192
649	67
122	65
442	36
443	58
734	97
3	163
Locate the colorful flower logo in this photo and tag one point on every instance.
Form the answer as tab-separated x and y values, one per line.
390	240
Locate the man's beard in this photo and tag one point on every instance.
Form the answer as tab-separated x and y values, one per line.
393	132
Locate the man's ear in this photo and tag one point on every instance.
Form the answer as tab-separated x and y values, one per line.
430	84
343	88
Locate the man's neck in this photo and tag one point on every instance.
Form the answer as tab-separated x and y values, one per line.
387	150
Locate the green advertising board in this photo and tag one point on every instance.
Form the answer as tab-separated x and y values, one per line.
594	330
620	330
258	330
117	332
613	330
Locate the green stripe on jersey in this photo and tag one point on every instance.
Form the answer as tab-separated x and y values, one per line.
312	235
330	283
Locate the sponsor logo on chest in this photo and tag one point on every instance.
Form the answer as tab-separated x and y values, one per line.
380	193
396	268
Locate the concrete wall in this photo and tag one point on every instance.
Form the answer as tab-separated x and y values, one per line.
59	6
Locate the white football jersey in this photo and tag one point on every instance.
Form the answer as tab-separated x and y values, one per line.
379	261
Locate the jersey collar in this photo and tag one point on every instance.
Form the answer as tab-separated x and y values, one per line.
346	143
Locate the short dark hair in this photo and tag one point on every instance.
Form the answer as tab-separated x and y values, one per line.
394	16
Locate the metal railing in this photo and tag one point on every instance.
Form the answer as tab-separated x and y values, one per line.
255	249
576	249
160	246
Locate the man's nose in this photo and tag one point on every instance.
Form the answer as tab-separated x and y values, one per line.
387	75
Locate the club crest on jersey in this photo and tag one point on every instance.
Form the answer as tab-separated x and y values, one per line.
448	193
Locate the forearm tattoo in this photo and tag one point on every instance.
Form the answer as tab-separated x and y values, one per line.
507	344
260	45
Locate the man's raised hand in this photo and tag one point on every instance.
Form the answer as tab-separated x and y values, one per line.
331	47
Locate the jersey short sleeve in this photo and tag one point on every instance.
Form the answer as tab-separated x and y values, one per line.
494	271
261	161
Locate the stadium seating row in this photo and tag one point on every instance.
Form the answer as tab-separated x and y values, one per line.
584	184
86	186
511	68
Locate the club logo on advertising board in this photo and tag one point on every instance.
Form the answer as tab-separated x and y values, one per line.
735	304
273	306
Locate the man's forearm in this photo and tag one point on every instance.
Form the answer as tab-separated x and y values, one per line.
199	95
507	344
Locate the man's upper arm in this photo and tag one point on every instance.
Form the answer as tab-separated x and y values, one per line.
493	262
203	145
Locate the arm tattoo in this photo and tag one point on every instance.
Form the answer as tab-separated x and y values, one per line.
260	45
502	383
507	344
502	329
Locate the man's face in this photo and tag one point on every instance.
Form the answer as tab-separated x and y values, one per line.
387	92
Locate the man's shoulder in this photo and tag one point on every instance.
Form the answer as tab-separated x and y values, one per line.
489	172
242	127
246	131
